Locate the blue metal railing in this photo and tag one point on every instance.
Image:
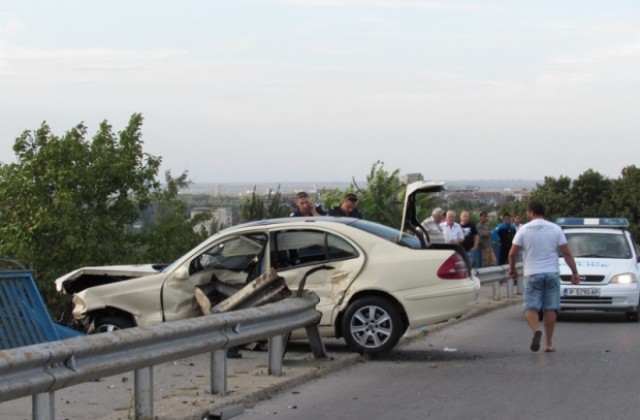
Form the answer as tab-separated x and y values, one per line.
24	319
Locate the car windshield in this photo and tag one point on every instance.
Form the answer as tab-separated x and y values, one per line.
390	234
598	245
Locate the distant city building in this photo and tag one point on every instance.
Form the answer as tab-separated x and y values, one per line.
522	195
222	215
409	178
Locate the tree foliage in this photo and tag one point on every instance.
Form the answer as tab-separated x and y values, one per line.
554	193
383	198
625	197
68	202
276	207
593	195
252	207
170	231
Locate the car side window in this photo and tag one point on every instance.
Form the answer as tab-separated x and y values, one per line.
299	247
239	253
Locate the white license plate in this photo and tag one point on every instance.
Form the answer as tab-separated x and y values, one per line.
587	291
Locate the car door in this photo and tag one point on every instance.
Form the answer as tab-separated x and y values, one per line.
234	260
297	253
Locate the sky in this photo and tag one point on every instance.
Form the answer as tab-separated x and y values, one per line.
313	90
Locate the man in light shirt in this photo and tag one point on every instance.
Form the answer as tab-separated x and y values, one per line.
541	242
452	231
432	227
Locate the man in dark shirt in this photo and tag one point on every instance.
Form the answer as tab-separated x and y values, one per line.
348	207
504	233
304	207
471	237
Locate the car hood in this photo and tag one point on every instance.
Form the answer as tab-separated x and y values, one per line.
120	272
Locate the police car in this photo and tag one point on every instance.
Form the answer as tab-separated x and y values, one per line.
607	259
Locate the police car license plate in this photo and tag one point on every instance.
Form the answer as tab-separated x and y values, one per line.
587	291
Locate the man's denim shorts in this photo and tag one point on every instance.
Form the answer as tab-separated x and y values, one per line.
542	292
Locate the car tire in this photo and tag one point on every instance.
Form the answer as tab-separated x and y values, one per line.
112	323
372	325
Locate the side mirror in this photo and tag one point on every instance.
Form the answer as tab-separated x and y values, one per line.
181	273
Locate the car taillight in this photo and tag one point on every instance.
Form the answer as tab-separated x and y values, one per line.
454	268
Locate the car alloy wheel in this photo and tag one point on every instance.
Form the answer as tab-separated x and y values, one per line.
372	325
112	323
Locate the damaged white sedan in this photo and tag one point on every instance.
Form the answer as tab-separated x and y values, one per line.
374	282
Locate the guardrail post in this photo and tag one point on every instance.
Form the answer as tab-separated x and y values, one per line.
44	406
276	349
495	288
219	372
143	389
315	341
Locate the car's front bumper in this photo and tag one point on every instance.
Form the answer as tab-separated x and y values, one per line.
611	298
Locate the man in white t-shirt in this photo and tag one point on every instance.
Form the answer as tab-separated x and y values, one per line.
540	242
452	231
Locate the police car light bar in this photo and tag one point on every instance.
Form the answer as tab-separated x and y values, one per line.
614	222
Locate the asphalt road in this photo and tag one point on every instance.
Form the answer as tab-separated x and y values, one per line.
482	368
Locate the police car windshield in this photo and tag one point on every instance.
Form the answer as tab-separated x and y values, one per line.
598	245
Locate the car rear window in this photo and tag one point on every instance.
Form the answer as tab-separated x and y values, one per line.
388	233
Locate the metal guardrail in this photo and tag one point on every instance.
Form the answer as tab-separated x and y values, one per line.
499	275
39	370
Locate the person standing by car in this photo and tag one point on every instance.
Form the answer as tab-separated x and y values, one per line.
304	207
471	237
517	222
487	257
348	207
540	242
431	226
451	230
503	234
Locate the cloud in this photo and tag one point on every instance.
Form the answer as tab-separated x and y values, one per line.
373	19
17	60
378	4
10	25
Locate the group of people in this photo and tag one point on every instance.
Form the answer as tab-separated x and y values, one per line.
348	207
537	244
441	227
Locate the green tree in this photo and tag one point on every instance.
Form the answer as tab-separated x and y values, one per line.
590	195
554	194
170	227
252	207
68	202
383	199
625	197
276	206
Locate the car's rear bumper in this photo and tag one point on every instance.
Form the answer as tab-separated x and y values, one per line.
431	307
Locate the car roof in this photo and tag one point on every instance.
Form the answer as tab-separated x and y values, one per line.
294	220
